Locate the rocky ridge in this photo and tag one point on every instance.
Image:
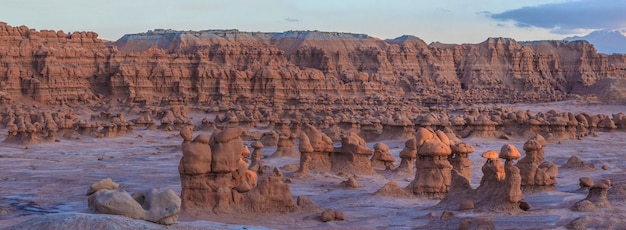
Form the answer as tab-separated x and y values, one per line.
230	66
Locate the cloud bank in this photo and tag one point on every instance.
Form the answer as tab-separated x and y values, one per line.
569	17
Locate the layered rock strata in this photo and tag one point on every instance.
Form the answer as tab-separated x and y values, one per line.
223	66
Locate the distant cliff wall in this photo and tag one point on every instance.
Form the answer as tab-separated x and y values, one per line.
221	66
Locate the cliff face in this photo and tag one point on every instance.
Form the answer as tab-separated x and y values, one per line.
221	66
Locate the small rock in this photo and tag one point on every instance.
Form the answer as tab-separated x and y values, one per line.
446	214
604	167
291	167
328	215
350	183
524	205
339	215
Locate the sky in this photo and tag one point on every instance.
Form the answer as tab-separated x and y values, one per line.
447	21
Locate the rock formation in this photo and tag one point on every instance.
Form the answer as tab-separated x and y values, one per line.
407	156
153	205
285	147
353	156
536	174
330	215
499	189
215	176
256	163
432	176
574	162
318	153
382	157
596	199
460	161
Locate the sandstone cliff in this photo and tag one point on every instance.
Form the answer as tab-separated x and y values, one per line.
223	66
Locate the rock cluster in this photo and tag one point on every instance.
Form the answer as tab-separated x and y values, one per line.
158	206
32	127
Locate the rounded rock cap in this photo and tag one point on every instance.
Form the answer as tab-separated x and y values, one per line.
509	152
202	139
532	145
256	145
491	154
435	148
381	146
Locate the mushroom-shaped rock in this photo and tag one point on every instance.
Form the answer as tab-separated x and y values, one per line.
460	160
509	152
410	149
434	148
494	165
407	156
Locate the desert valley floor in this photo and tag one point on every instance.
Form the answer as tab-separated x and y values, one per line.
49	179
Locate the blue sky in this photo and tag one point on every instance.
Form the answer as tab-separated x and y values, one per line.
449	21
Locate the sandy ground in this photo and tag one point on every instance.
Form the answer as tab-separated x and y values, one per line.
53	178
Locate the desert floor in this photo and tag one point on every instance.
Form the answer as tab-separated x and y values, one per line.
53	177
